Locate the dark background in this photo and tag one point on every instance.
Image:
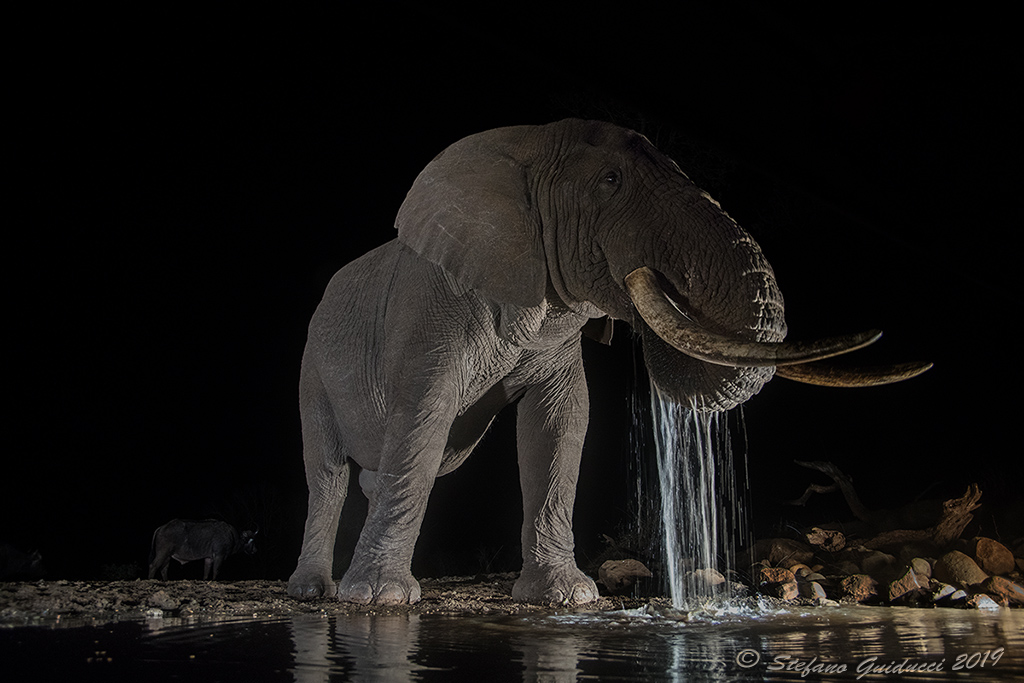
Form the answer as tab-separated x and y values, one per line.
181	194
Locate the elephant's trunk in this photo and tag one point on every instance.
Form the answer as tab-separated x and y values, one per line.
668	319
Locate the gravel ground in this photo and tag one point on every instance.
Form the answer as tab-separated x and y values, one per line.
53	603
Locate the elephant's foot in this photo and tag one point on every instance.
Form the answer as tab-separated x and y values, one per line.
311	583
371	584
559	585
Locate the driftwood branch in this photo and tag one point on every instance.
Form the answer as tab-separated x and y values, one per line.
811	488
843	482
956	515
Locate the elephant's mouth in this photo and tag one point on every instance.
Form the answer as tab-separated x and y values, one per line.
799	361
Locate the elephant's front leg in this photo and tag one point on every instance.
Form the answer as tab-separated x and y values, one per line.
552	423
414	442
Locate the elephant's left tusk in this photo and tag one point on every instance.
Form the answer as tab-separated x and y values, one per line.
825	375
683	334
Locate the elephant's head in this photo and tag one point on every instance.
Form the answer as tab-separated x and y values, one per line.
591	216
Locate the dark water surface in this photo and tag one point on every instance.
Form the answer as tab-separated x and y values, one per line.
750	644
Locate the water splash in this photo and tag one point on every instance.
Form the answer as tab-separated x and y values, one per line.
703	508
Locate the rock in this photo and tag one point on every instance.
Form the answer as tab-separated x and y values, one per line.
907	587
619	576
956	568
826	539
844	568
780	552
778	582
707	577
775	575
859	587
942	592
811	589
880	565
783	591
1006	591
992	556
982	601
921	567
163	601
735	589
800	570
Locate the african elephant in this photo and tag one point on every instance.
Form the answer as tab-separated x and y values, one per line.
510	243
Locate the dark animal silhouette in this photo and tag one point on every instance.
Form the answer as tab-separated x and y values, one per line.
209	540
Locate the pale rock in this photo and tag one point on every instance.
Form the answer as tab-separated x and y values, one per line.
982	601
707	577
620	575
941	591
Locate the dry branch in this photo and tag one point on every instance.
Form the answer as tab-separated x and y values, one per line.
843	481
954	518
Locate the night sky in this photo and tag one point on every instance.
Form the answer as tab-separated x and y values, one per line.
180	200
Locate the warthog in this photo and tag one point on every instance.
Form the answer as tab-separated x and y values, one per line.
209	540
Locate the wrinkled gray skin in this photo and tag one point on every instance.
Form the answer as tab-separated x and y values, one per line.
509	242
185	540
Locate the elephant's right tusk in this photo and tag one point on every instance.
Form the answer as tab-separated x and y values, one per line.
666	320
825	375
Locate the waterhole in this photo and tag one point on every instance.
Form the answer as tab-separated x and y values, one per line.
743	642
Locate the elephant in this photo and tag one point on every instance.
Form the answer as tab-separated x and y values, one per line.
512	245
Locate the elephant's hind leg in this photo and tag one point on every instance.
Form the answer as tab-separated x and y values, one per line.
327	473
413	445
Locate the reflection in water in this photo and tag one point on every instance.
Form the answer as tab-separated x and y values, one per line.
730	644
724	644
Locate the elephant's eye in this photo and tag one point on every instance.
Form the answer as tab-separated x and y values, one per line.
612	178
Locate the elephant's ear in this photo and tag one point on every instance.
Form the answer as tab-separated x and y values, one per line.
470	212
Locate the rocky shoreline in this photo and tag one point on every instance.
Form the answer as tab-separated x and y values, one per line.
73	603
978	573
982	574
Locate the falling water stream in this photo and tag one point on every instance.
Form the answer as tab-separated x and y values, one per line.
703	507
